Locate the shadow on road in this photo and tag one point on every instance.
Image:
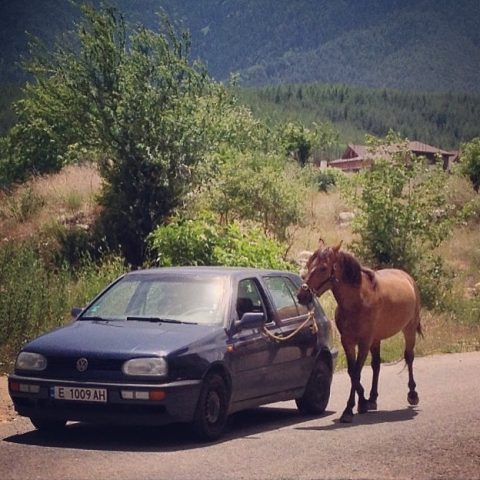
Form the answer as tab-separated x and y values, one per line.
246	424
173	437
370	418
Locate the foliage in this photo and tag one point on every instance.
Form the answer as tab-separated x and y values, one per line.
300	142
258	187
402	216
323	179
470	162
407	45
34	298
23	206
203	241
136	100
9	93
440	119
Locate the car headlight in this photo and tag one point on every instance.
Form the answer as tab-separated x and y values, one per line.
31	361
152	367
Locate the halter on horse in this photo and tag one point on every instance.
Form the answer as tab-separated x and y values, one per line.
371	306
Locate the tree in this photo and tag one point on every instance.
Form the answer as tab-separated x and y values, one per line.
257	187
470	162
300	141
131	96
203	241
402	216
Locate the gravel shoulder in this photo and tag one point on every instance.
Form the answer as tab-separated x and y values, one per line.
7	413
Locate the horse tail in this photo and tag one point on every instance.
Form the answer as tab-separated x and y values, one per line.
417	310
419	329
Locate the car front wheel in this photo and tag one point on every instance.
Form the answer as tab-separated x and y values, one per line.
212	409
315	399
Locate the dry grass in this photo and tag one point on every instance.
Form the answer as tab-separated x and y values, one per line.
443	333
71	194
65	197
322	214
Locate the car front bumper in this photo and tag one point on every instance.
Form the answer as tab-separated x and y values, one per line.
33	397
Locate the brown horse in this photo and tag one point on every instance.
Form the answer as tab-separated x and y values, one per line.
371	306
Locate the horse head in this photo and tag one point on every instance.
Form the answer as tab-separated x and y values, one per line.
320	273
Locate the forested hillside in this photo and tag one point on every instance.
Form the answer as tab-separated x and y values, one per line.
444	120
423	45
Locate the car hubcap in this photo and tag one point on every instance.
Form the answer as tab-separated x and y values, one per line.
213	407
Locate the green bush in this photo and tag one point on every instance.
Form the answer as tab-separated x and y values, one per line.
402	216
204	241
257	187
323	179
34	298
470	162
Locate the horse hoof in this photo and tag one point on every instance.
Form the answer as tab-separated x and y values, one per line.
372	405
363	408
346	418
412	398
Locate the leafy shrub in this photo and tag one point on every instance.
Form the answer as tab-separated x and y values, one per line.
402	216
323	179
133	98
35	298
257	187
205	242
25	301
470	162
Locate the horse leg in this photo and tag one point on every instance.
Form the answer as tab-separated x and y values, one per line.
375	352
347	415
354	371
363	350
409	355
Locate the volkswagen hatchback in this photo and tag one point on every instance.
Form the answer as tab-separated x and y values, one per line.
179	345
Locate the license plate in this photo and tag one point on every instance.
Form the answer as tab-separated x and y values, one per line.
80	394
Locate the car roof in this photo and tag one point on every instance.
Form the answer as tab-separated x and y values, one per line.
232	272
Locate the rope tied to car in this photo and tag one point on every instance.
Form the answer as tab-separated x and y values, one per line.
313	327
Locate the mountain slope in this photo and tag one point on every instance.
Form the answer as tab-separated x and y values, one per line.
430	45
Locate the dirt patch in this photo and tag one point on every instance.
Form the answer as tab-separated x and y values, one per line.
7	413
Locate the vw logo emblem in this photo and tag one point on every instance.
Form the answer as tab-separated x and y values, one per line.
82	364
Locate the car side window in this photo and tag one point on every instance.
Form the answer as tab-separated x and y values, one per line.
249	298
283	294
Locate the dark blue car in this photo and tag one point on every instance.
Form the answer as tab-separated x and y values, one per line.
179	345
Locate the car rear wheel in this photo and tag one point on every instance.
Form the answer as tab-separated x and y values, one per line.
315	399
212	409
45	425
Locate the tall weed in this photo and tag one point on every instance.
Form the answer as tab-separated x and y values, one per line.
34	298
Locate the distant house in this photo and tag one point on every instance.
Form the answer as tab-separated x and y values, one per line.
358	157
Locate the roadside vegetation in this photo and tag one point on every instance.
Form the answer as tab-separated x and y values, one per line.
126	154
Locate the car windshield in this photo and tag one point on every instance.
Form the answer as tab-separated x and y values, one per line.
167	299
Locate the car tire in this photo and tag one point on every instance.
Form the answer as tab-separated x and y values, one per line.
46	425
212	409
315	399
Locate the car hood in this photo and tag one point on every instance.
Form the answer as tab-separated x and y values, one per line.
120	339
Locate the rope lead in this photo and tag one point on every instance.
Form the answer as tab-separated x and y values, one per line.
313	327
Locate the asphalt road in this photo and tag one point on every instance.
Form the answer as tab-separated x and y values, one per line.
438	439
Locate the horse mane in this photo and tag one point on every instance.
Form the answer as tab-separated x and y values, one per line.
352	271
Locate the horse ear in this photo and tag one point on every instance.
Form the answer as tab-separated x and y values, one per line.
321	243
337	247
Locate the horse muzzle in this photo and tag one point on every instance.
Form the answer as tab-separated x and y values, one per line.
305	294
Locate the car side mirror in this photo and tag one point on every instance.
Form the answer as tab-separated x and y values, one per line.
251	320
75	312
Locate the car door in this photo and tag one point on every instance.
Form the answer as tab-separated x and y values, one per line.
295	356
254	356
